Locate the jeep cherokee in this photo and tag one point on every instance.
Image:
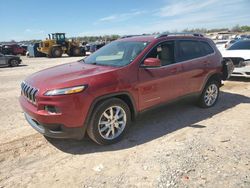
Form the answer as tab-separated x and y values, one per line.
102	93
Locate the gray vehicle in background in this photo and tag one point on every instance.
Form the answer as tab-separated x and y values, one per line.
9	60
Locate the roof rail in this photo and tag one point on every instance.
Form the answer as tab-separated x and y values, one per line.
166	34
128	36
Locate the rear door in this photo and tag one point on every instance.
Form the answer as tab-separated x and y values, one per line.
194	62
160	84
2	59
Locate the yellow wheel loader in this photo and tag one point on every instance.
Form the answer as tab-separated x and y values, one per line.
57	45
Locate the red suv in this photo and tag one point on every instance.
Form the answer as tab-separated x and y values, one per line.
102	93
13	49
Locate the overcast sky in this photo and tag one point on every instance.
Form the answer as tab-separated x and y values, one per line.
30	19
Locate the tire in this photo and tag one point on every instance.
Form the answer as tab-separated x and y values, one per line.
112	131
210	94
13	63
56	52
76	51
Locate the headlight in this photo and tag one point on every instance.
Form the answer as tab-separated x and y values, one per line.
65	91
247	62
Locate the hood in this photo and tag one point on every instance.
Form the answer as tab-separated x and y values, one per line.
245	54
67	75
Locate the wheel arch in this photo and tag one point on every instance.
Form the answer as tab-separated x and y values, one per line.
9	60
214	76
124	96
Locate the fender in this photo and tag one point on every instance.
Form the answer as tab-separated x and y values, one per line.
119	95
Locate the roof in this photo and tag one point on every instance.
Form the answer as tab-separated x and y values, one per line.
150	38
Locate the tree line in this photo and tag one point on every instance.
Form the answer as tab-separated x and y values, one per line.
237	28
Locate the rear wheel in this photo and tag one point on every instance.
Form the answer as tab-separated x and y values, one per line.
210	94
14	62
76	51
56	52
109	121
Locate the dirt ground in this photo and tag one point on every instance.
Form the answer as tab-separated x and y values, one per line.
178	145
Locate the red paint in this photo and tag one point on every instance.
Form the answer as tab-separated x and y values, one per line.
147	86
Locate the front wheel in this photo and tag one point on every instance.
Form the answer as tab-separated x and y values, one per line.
109	122
209	95
56	52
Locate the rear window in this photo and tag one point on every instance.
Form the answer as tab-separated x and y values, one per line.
241	45
188	49
207	49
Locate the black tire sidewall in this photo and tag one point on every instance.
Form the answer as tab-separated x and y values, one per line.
54	54
202	97
13	64
76	51
93	131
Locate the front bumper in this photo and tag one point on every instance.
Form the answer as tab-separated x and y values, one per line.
68	123
241	72
55	130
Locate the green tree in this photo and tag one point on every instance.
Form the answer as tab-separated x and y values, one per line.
236	28
245	28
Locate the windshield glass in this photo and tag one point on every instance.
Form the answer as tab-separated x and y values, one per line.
117	53
241	45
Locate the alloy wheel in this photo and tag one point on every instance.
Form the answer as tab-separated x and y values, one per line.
112	122
211	94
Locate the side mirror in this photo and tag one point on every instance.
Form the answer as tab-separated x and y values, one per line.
152	62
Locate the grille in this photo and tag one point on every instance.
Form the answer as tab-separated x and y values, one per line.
29	92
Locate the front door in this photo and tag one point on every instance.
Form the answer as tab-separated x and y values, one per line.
163	83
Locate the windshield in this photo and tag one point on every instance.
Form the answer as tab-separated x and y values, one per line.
241	45
117	53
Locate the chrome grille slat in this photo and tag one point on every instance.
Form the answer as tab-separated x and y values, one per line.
34	95
24	87
29	92
26	91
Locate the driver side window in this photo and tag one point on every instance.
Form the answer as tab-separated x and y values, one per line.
164	52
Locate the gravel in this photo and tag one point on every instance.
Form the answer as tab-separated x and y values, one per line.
178	145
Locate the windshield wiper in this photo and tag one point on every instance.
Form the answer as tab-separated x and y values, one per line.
82	60
92	63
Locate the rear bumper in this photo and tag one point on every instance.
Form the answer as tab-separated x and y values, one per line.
55	130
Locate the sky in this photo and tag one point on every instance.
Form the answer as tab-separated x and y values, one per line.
30	19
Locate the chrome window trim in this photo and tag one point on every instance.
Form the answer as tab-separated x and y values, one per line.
180	62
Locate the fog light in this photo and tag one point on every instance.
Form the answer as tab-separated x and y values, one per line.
51	109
